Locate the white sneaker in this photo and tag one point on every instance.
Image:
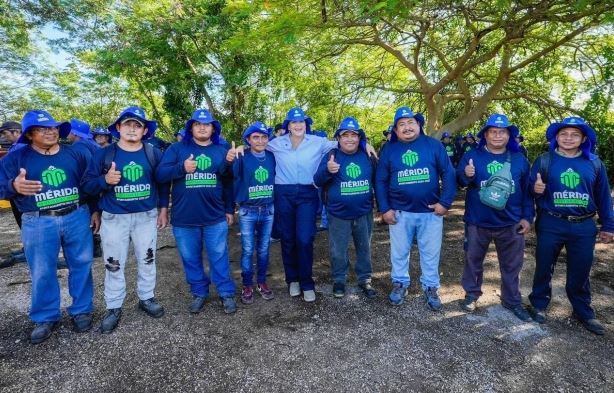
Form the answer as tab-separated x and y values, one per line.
295	289
309	296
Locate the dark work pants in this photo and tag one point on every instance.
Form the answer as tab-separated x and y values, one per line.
295	210
579	241
510	252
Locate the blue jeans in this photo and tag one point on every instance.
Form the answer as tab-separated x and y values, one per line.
116	231
427	227
190	243
42	237
295	207
339	233
579	240
256	224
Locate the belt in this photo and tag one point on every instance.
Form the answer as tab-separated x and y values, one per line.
571	218
59	212
256	207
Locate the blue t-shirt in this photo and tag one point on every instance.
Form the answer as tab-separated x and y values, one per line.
254	178
60	175
137	190
203	197
349	192
407	176
575	188
520	203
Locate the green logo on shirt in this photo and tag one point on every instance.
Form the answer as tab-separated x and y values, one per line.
261	174
203	162
493	167
410	158
570	179
353	170
53	176
132	171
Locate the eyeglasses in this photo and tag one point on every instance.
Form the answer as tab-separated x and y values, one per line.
43	130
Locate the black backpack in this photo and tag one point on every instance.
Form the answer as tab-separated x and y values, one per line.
111	150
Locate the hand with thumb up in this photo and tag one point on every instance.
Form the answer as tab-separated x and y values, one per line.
331	165
24	186
539	187
232	153
113	176
470	169
190	164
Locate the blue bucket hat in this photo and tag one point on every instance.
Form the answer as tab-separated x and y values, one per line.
39	118
102	131
587	147
137	113
446	134
205	117
469	135
257	126
351	124
80	128
500	121
405	112
297	114
180	132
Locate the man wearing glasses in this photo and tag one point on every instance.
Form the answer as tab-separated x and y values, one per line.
43	179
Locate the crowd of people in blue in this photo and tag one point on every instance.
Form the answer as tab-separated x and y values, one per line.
114	183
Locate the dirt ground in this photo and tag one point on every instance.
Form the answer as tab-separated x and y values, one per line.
334	345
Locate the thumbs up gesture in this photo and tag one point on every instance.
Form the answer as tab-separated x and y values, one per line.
24	186
331	165
113	176
232	153
190	164
470	169
539	187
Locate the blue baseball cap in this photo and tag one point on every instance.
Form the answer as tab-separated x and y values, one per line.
446	134
205	117
134	113
498	120
80	128
40	118
180	132
351	124
297	114
253	128
587	147
405	112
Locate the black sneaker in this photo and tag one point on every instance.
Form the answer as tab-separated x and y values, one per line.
519	311
469	304
592	325
151	307
197	305
42	331
110	320
537	314
338	290
368	290
81	323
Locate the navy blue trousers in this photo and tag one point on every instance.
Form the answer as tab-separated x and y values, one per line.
579	240
295	216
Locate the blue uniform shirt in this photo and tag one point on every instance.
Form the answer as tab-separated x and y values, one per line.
198	198
349	192
298	166
520	203
407	176
254	178
137	190
60	175
575	188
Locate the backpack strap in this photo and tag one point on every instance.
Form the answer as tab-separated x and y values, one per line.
544	165
109	157
151	155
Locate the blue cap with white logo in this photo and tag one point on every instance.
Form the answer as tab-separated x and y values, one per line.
40	118
297	114
253	128
134	113
498	120
587	147
205	117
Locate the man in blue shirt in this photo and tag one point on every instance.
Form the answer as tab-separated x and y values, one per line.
202	208
409	196
506	227
346	176
43	178
571	185
130	198
254	179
